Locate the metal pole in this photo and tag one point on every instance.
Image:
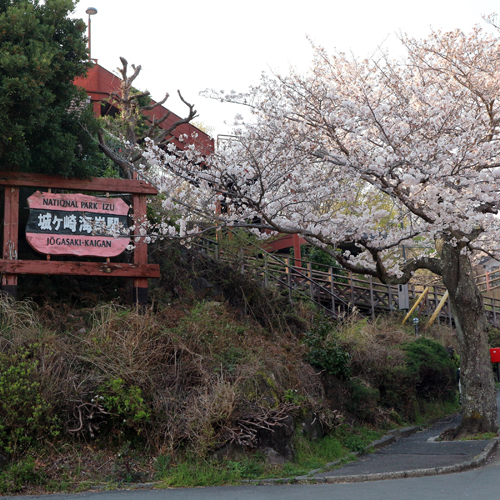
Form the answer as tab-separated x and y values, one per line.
90	53
91	11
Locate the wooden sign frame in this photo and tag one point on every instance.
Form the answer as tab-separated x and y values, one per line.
11	267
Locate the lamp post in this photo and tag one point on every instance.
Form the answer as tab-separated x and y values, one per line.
416	321
91	11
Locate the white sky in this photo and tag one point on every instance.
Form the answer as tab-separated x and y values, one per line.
226	44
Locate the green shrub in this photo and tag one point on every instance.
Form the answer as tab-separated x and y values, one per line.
493	337
397	389
363	401
325	350
125	403
25	415
435	371
20	475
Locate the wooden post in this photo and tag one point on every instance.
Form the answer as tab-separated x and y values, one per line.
390	297
309	273
372	302
411	288
438	308
332	288
10	237
494	312
422	296
288	277
140	290
352	288
266	279
487	277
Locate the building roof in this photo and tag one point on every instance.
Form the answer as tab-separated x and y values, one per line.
100	83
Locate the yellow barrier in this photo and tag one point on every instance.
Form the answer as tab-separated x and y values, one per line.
438	309
424	293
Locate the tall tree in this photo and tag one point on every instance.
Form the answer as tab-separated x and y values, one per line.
42	50
424	131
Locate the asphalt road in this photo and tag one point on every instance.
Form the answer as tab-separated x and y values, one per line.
479	484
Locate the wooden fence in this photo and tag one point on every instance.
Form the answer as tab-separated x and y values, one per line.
335	291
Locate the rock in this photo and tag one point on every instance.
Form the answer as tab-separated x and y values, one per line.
311	427
279	440
201	285
230	451
204	288
273	457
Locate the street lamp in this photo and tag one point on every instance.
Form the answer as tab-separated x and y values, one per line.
91	11
416	321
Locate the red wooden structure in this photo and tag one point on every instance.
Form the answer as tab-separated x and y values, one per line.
99	83
11	267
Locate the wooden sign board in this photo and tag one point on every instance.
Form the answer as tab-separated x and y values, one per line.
77	224
55	228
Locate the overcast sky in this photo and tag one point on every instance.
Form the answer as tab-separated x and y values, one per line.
192	45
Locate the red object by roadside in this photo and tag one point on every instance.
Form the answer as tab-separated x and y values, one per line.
495	355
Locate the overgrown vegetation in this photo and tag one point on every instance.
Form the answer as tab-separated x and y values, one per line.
164	393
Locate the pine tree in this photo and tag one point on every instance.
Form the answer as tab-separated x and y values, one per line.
44	122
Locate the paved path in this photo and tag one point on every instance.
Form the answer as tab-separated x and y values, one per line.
414	452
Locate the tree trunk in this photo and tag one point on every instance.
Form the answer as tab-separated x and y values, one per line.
476	375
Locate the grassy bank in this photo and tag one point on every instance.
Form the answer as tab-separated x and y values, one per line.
113	395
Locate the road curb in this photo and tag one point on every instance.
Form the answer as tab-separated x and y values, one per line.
386	440
477	461
125	486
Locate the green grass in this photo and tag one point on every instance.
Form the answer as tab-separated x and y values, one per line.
309	455
19	475
191	474
478	437
431	410
359	438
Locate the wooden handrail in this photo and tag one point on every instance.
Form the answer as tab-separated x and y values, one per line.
338	290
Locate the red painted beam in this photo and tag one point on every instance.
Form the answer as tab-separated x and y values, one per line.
93	184
10	236
80	268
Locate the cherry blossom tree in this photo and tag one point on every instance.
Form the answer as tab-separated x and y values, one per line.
422	131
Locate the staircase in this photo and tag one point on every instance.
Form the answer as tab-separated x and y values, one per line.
338	293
